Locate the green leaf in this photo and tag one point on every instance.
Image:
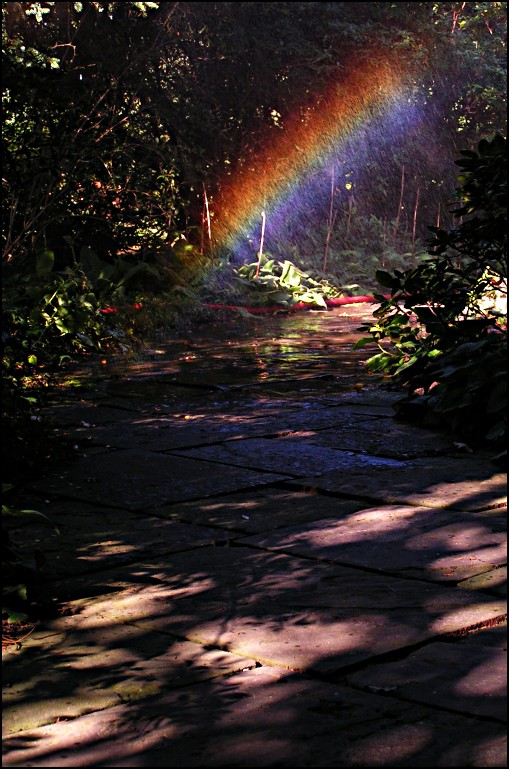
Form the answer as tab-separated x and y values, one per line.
13	513
384	278
363	342
290	275
378	362
15	616
496	432
311	297
268	266
410	362
44	263
18	591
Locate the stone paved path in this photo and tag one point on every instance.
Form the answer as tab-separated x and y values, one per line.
254	580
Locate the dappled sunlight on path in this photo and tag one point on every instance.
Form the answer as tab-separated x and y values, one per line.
248	578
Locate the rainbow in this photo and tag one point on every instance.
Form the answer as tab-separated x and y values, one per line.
342	127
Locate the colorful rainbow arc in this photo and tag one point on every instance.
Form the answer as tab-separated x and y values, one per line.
312	136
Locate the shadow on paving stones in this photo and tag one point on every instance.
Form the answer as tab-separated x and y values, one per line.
264	717
229	654
264	626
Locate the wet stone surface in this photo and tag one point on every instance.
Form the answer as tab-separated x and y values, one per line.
289	456
259	510
382	437
429	482
259	568
162	433
137	480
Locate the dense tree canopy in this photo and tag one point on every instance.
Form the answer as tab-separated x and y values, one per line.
120	118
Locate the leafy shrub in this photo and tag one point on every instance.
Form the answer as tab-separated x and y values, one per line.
355	249
282	283
47	316
442	333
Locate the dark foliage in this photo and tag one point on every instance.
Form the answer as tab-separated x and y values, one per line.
444	327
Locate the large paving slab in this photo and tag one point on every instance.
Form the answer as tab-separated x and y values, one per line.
156	388
85	413
161	432
419	542
292	457
93	537
263	717
136	480
468	679
383	437
279	609
255	510
466	483
62	675
373	398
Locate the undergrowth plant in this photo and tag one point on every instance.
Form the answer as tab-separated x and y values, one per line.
442	332
283	283
355	249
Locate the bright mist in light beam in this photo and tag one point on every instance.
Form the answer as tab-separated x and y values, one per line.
345	127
